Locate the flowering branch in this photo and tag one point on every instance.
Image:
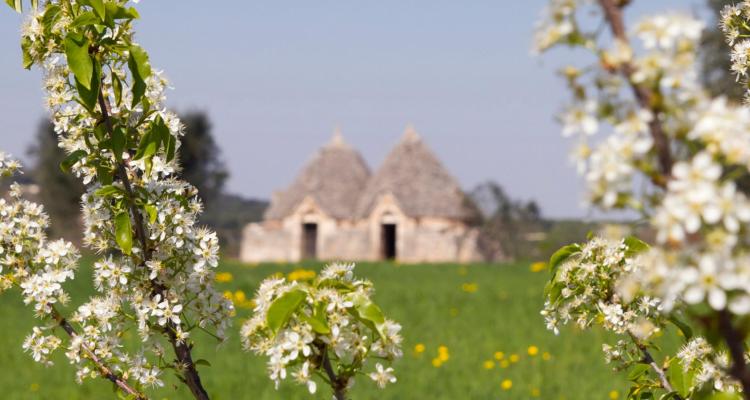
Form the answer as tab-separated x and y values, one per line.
107	105
181	349
613	14
649	359
105	372
328	325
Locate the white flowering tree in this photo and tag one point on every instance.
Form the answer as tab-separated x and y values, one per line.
328	327
156	267
681	160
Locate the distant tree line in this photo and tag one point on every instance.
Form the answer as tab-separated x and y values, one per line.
202	166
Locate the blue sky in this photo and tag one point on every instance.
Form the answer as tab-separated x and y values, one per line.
277	76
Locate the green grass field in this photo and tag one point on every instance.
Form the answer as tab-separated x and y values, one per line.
475	311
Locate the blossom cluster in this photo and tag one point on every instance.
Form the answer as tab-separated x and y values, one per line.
734	20
709	366
697	204
678	158
157	267
590	285
32	262
329	325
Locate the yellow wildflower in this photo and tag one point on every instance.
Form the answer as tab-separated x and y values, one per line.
504	364
507	384
469	287
614	395
419	348
436	362
533	350
514	358
535	392
300	274
538	266
34	387
489	364
443	355
224	277
499	355
239	296
546	356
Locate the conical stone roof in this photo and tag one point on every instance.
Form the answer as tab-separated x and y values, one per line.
419	182
334	178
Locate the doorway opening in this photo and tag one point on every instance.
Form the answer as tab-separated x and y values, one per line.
388	241
309	241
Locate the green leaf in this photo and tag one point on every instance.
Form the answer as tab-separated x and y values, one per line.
109	190
98	6
117	87
152	212
26	54
318	320
687	332
370	312
162	131
725	396
124	232
140	69
118	143
637	371
51	15
203	362
85	19
635	246
562	255
682	382
116	11
283	307
15	4
104	175
79	60
71	159
149	145
90	95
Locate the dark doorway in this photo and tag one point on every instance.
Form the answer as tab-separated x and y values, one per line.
388	239
309	241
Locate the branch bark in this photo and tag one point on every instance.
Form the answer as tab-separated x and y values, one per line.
105	371
649	359
736	344
613	14
181	349
339	388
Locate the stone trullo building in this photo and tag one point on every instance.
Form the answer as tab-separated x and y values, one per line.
410	210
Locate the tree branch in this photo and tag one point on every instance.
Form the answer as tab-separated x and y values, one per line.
181	349
736	344
649	359
105	371
339	388
645	97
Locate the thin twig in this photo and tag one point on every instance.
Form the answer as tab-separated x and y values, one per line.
105	371
649	359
